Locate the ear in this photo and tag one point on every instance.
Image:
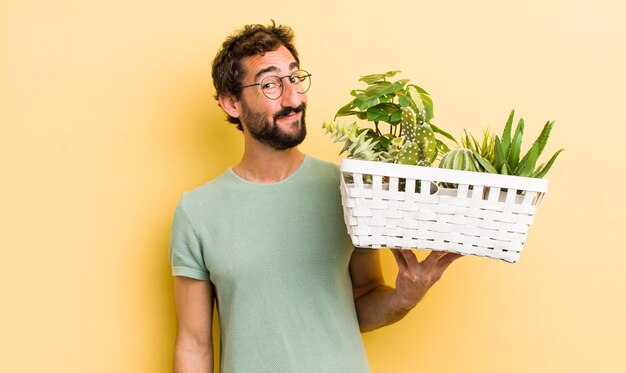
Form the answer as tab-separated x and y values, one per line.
230	104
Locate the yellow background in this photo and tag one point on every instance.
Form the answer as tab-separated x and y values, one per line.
107	117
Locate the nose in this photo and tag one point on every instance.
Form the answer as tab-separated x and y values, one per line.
290	96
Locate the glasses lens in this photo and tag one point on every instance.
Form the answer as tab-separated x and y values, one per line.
272	87
301	81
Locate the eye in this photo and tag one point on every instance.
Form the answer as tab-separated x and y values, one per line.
271	83
268	85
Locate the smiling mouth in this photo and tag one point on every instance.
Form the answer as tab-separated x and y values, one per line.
289	113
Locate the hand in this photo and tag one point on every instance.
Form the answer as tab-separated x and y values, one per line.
415	277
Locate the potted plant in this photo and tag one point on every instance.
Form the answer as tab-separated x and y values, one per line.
480	200
407	110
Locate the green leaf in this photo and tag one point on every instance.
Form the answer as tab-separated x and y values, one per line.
376	115
355	92
428	106
384	142
403	100
414	95
420	90
442	132
345	110
361	114
542	140
468	141
499	154
477	145
543	171
506	134
379	89
504	170
345	114
477	164
395	117
370	79
381	112
538	169
526	166
484	163
387	98
399	85
512	159
423	102
488	143
441	146
365	102
360	99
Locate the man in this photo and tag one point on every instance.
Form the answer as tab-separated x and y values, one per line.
266	239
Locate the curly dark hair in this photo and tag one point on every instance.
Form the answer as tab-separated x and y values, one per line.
251	40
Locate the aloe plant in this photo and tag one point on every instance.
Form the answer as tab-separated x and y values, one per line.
405	107
507	151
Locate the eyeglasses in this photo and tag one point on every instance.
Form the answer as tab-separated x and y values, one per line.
272	86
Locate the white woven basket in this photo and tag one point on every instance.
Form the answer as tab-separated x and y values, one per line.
486	215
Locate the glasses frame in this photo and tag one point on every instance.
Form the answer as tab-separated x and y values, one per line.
282	85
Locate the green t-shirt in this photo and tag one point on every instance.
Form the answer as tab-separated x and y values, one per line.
278	256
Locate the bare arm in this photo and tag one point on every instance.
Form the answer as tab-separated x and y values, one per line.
194	343
377	304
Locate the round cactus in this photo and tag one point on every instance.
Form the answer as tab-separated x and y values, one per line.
458	159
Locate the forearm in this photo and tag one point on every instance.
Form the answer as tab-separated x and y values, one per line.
377	304
379	307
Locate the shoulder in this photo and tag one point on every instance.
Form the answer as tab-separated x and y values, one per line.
205	195
322	167
322	175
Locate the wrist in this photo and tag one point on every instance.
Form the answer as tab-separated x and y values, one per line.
405	302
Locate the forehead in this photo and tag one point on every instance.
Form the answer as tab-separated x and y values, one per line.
278	61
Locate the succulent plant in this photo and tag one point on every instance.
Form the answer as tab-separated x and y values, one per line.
419	147
356	143
459	159
484	148
508	148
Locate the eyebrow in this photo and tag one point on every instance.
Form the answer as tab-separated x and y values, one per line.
273	68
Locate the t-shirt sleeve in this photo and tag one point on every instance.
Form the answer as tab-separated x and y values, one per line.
186	256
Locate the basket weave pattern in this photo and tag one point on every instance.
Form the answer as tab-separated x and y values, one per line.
400	206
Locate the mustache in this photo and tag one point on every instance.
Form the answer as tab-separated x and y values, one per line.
289	110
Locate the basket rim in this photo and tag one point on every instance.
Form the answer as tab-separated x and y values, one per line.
441	174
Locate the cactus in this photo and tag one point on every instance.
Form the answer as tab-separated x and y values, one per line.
420	146
459	159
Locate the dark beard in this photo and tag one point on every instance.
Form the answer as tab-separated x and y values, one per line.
269	133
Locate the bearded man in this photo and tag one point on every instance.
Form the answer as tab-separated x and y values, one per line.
266	240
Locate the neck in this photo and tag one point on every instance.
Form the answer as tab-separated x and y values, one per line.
265	165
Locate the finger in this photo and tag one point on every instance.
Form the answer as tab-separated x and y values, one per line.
410	258
434	257
397	254
447	259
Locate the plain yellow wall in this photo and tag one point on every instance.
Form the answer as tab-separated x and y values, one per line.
107	116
